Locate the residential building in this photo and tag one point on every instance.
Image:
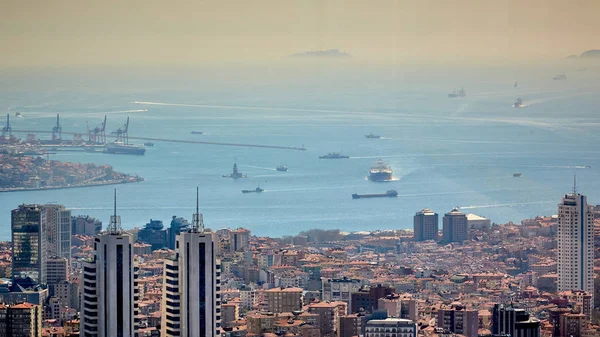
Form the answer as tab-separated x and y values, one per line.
366	298
177	226
239	239
279	300
154	234
575	238
571	325
454	227
67	292
426	225
29	243
57	269
399	306
340	289
85	225
328	315
390	327
350	325
507	320
458	319
21	320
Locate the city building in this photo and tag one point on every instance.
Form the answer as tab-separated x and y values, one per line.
426	225
229	313
391	327
458	319
85	225
399	306
109	296
340	289
240	239
350	325
454	227
191	301
507	320
279	300
575	238
177	226
29	243
154	234
67	292
21	320
58	230
328	314
57	269
571	325
475	221
366	297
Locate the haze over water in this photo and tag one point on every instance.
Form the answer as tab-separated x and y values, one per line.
444	152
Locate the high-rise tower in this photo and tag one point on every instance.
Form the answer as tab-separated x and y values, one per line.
29	243
58	231
455	227
109	296
575	239
426	225
191	299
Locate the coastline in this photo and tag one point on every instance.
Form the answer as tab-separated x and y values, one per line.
6	190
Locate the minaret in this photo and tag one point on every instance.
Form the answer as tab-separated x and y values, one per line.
191	299
575	238
109	296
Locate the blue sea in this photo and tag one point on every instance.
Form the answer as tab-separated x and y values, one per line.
444	152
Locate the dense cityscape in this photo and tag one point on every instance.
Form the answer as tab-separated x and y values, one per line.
66	274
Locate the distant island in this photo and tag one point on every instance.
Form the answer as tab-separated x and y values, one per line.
26	173
588	55
329	53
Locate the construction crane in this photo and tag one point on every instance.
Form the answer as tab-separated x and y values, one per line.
7	129
57	130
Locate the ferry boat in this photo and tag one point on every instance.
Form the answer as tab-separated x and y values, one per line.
281	168
380	171
372	136
517	174
149	144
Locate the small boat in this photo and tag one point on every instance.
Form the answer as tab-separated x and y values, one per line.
388	194
516	85
372	136
559	77
256	190
281	168
458	93
17	114
197	133
517	174
148	144
518	103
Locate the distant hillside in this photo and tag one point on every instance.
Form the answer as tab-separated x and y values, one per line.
591	54
330	53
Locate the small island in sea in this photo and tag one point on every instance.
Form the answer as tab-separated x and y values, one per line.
329	53
25	173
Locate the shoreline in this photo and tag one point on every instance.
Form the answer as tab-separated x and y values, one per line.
4	190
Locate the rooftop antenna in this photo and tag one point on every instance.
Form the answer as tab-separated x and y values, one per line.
197	218
574	184
114	227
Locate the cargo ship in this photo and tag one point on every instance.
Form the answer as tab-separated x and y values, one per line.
458	93
256	190
372	136
281	168
122	148
380	171
518	103
333	155
388	194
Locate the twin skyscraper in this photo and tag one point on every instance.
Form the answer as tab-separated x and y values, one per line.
191	298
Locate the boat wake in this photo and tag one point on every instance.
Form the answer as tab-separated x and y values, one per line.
513	204
259	167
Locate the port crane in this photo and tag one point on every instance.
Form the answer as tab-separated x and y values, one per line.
57	130
122	134
97	135
7	129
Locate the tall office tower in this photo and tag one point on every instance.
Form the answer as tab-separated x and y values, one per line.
29	251
455	226
575	239
191	302
58	230
426	225
506	320
109	296
239	240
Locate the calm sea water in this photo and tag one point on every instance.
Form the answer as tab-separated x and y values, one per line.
444	152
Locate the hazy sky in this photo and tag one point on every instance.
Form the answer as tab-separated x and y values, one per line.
150	32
